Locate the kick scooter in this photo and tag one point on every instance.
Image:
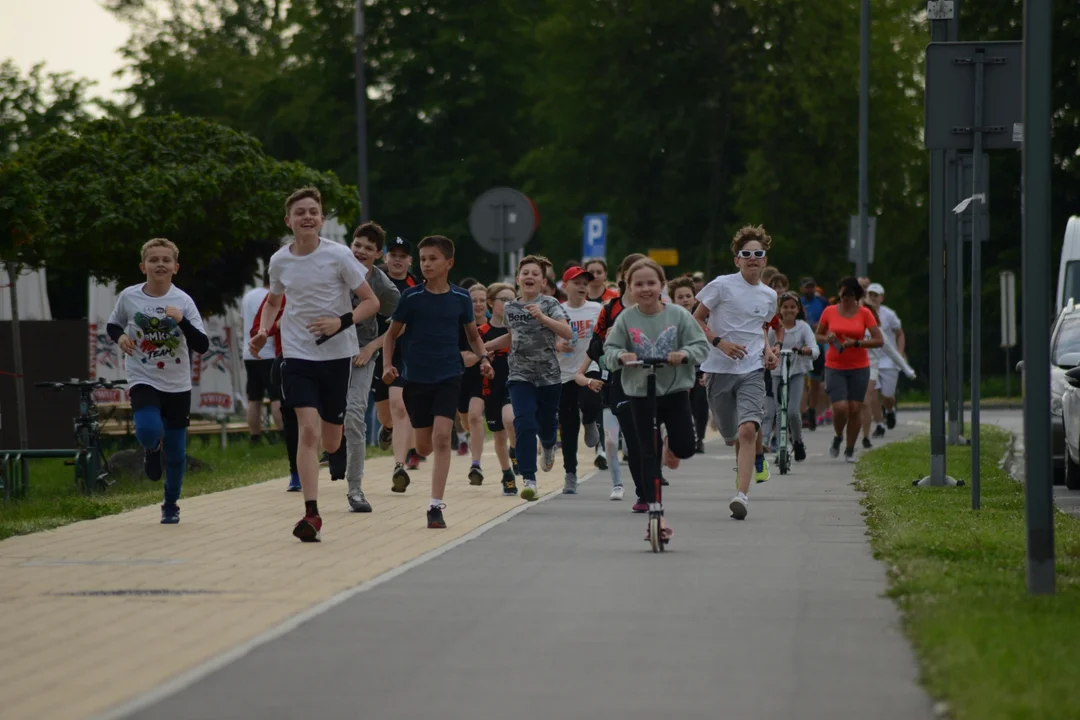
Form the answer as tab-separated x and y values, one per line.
783	457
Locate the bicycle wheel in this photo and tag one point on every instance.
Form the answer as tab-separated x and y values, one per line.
654	533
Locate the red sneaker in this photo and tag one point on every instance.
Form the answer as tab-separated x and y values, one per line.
640	506
309	529
463	448
412	460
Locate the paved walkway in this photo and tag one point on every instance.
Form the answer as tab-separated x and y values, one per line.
560	612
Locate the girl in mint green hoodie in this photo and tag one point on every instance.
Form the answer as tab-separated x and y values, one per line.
652	330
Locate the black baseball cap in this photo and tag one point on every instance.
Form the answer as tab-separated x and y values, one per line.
807	281
399	243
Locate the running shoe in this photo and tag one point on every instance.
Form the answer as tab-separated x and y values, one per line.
601	462
547	459
463	447
592	435
509	483
616	493
834	449
849	455
866	443
386	437
828	415
294	483
738	506
412	459
890	419
170	514
476	475
309	529
879	431
435	519
800	452
699	448
761	469
357	501
400	479
324	459
152	463
570	484
640	506
529	491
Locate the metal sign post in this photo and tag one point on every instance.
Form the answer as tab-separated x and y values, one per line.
972	93
1038	460
856	247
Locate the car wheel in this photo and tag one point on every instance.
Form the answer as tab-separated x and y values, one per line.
1072	472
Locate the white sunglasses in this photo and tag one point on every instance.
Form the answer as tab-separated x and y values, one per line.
750	254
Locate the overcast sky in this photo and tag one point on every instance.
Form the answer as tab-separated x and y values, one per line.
75	35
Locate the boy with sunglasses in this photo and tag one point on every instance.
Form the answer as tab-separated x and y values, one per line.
738	307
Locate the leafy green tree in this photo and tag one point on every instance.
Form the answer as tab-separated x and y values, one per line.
111	185
448	115
34	104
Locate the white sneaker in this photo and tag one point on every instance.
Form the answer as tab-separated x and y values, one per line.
739	506
616	493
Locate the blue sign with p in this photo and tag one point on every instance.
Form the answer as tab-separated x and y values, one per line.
594	239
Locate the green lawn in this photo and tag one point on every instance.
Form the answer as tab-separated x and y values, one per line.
53	500
986	647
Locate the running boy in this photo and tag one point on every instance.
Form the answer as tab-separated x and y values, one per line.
738	307
366	247
319	276
577	405
497	408
157	326
431	362
534	321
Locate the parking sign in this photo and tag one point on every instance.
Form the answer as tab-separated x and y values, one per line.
594	238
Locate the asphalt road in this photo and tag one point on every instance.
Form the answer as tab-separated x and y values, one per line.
563	612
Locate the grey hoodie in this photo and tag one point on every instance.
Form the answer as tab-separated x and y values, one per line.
388	296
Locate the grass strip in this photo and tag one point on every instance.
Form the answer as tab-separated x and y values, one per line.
986	647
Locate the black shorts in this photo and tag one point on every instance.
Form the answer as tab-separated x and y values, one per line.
259	383
472	385
319	384
496	398
817	372
175	408
427	401
382	390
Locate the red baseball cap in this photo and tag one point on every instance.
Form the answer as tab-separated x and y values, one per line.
576	272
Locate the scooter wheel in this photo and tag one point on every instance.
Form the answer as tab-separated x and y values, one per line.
654	534
784	461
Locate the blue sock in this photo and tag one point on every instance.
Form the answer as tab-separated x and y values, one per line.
175	446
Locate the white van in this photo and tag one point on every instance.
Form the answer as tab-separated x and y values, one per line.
1068	285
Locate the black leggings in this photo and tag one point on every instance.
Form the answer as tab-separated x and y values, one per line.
699	401
577	405
288	418
674	413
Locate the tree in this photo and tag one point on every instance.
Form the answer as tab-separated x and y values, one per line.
35	104
448	115
110	185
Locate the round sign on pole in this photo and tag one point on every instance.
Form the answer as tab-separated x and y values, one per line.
502	220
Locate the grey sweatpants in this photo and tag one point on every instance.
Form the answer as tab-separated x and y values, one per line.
355	423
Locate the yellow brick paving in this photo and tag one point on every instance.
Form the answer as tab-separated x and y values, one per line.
73	656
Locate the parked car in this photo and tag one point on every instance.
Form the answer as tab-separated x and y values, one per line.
1065	395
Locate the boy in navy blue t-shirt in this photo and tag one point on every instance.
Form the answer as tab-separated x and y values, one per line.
431	361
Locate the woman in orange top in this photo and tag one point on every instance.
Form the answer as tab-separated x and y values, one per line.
843	327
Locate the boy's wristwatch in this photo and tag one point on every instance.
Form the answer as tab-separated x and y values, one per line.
716	341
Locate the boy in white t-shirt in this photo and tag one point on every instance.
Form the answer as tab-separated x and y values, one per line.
157	326
577	404
319	276
739	307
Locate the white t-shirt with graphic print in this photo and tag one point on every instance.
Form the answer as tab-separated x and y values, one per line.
582	323
162	358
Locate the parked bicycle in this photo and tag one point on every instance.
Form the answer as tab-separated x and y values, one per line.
91	464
